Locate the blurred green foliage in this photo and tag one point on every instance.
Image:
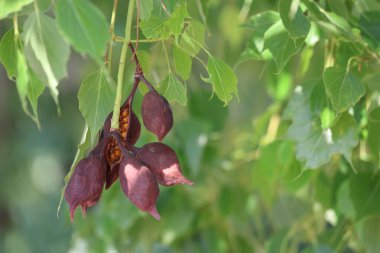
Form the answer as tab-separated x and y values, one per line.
254	190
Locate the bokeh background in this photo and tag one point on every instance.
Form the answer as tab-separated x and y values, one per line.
243	200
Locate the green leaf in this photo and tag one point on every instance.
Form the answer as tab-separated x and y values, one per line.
293	19
173	90
146	7
365	193
154	27
8	53
10	6
45	50
222	78
83	147
28	87
177	18
261	22
193	37
314	145
182	62
84	26
368	231
343	88
280	44
344	203
370	23
96	96
373	130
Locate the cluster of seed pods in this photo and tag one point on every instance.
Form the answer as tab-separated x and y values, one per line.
139	170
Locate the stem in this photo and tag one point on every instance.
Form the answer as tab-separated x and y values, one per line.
15	24
139	74
120	73
112	33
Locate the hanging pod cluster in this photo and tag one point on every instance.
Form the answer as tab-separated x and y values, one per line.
139	170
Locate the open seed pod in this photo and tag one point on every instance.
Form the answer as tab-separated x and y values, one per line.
156	114
129	131
163	163
139	185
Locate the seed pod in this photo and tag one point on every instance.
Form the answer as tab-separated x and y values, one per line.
86	184
139	185
163	163
156	114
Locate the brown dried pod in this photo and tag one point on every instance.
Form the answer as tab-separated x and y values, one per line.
163	163
139	185
156	114
86	184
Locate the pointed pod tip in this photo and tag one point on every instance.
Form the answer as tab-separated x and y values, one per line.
154	213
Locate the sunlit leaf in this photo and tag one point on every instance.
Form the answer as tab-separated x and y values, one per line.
261	22
176	19
10	6
173	90
84	26
8	53
193	37
314	145
182	62
293	19
343	88
222	78
280	44
146	7
154	27
45	50
96	96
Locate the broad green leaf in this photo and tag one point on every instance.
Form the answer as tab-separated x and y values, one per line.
154	27
193	37
96	96
373	130
261	22
314	145
10	6
318	98
83	147
280	44
344	203
343	88
182	62
146	7
365	193
177	18
277	241
28	87
368	231
22	81
45	50
293	19
173	90
8	53
370	22
222	78
343	27
84	26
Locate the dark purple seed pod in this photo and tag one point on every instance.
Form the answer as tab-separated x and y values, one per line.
86	184
156	114
163	163
139	185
